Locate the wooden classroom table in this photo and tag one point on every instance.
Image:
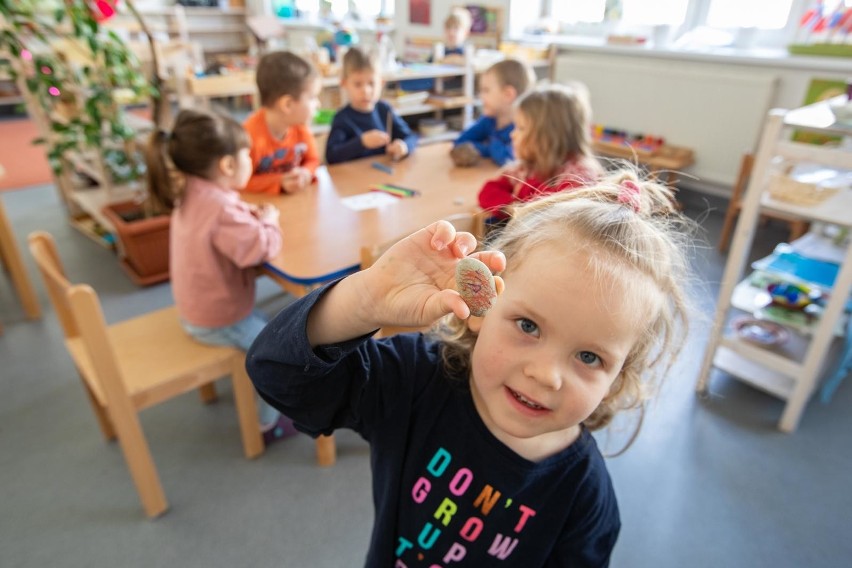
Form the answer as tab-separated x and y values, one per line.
323	237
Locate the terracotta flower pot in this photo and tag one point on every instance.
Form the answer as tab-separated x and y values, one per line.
143	244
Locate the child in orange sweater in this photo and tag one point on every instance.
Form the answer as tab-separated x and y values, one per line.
552	143
283	151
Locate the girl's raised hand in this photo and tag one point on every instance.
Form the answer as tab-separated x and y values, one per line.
413	283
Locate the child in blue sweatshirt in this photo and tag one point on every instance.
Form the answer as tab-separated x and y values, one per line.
490	136
361	128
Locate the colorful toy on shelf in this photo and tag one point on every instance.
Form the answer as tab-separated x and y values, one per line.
642	144
794	296
341	38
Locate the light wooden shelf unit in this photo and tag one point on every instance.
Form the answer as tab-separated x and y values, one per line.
792	378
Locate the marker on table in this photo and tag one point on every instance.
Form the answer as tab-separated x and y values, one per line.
383	167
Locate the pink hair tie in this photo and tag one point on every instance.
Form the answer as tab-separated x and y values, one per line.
629	194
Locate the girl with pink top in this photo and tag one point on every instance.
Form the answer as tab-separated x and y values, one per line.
552	144
217	240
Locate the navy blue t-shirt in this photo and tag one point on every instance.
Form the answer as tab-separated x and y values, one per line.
445	490
344	140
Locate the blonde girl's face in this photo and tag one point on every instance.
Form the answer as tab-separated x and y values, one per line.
522	137
549	350
455	36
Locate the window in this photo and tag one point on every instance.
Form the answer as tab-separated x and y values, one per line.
776	20
641	12
654	12
763	14
572	11
339	8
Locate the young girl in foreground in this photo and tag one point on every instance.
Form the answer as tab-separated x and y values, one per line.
216	240
480	442
552	144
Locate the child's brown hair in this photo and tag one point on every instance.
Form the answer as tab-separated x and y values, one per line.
560	121
282	73
196	143
513	73
357	60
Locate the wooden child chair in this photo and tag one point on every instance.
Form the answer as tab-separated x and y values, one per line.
11	261
137	363
473	223
798	227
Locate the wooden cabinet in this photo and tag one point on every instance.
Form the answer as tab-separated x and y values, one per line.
791	372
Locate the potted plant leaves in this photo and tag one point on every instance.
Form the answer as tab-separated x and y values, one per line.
77	77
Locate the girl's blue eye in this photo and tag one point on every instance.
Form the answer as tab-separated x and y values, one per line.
527	326
588	358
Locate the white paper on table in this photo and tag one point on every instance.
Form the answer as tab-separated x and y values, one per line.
368	200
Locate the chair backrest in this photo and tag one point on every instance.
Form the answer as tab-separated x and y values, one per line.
43	249
79	312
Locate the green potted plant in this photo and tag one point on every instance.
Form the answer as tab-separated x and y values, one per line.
75	74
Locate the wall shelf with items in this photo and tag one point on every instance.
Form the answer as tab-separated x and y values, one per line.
204	88
215	30
790	371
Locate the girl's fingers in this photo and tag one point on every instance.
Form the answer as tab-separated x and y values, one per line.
442	234
463	244
445	302
493	259
499	284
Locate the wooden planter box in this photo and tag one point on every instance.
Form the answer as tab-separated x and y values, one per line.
143	244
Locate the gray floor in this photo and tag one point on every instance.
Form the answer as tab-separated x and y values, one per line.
709	483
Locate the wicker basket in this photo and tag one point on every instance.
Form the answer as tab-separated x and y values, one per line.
784	188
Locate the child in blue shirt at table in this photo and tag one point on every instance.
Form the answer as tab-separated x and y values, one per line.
491	135
360	129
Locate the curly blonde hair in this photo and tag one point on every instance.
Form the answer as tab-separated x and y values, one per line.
631	227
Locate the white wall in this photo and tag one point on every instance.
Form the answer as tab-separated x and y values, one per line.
715	106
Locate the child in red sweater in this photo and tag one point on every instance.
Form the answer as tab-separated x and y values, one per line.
552	143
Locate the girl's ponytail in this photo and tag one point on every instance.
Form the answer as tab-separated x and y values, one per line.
160	176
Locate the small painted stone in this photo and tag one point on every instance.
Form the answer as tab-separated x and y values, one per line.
475	284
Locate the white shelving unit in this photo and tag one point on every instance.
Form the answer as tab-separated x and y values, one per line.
201	89
792	372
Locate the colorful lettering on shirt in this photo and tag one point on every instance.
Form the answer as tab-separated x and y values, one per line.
444	536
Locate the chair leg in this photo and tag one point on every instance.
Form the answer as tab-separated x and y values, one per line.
101	414
207	393
728	227
140	463
797	229
746	165
246	409
326	451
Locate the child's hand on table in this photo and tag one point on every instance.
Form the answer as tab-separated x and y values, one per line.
397	149
375	139
296	180
265	212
